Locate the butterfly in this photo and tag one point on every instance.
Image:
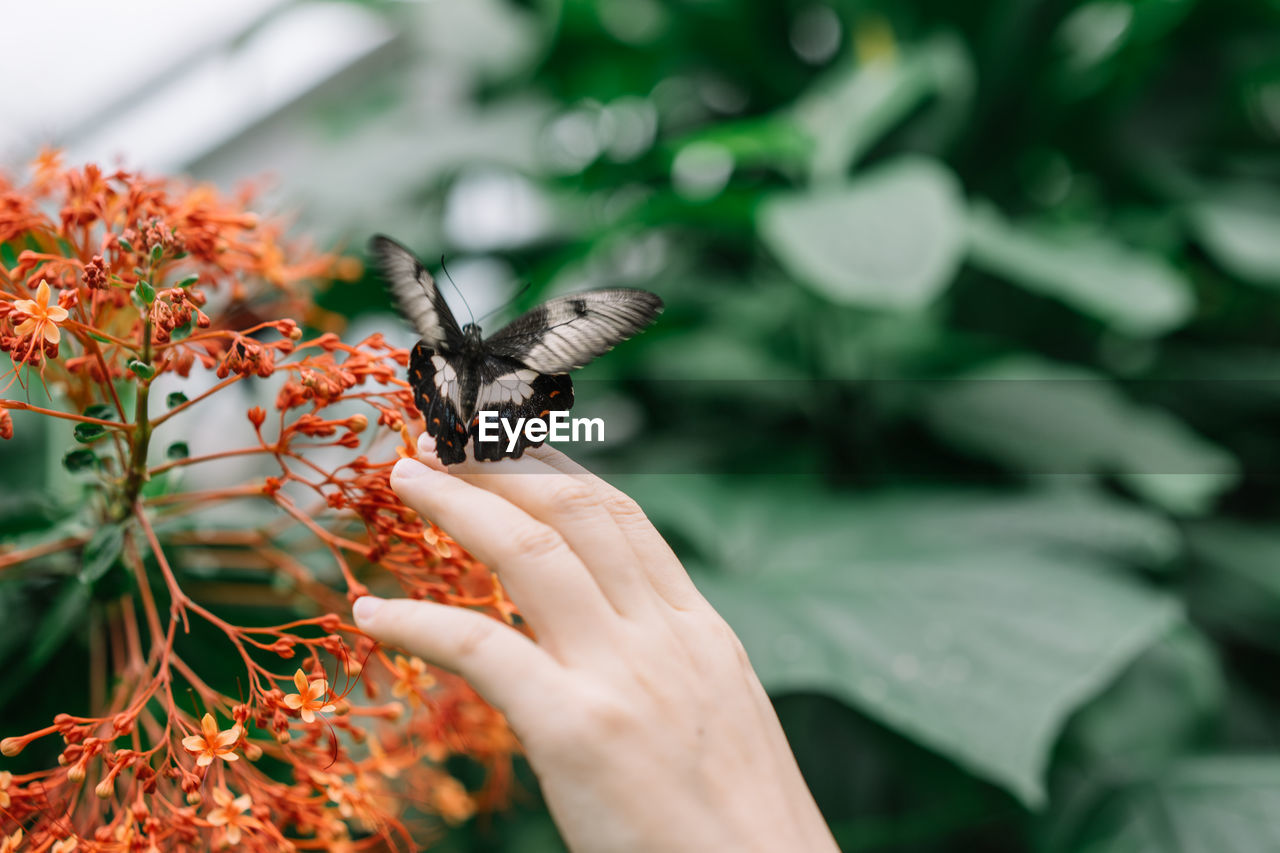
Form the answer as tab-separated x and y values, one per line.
520	371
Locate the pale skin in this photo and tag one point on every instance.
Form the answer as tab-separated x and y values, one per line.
636	705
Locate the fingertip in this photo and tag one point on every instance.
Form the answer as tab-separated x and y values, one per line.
408	469
365	610
427	453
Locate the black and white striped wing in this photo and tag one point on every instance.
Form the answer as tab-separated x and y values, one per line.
516	393
416	294
564	334
438	391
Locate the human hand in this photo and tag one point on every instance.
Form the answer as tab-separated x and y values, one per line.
637	707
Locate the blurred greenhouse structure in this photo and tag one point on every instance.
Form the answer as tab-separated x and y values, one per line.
964	408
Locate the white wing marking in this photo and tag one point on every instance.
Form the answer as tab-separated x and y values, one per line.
509	389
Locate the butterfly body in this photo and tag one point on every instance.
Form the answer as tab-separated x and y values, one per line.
519	372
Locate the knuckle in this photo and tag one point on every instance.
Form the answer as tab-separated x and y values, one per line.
574	498
604	716
471	640
720	640
626	510
536	540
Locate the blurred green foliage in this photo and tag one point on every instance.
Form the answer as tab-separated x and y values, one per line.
962	407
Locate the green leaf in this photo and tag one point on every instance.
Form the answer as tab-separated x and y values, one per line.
126	245
1160	706
99	338
101	411
974	626
141	368
8	256
1201	805
101	552
1236	586
157	252
86	433
891	239
178	450
145	292
1043	418
1137	293
80	460
851	109
66	614
1239	229
175	399
188	281
183	331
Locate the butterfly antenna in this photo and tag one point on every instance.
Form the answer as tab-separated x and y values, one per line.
519	293
456	288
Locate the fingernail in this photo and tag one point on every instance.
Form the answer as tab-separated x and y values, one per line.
365	607
408	469
426	444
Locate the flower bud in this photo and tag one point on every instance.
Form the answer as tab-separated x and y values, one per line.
357	423
257	416
252	751
106	788
194	798
11	746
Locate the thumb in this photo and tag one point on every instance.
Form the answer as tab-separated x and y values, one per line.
496	659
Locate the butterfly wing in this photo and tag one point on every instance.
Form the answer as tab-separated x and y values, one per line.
515	392
564	334
439	392
416	295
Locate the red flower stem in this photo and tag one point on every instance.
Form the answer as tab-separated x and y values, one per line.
196	500
214	334
231	380
208	457
54	413
324	535
87	330
15	557
144	592
335	543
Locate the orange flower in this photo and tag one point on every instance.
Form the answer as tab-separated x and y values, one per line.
411	676
211	743
11	843
310	698
5	778
451	800
230	813
42	318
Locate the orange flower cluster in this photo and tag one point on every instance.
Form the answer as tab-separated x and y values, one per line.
108	282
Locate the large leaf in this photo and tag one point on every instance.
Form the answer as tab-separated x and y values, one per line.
1043	418
1137	293
1160	708
891	239
1206	805
1241	230
856	105
976	638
